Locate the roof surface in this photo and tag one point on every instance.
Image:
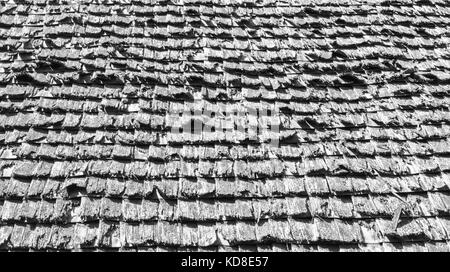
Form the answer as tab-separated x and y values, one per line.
357	97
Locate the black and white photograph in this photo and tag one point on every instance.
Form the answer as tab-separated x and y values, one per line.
236	127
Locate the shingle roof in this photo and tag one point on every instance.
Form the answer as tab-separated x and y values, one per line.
89	158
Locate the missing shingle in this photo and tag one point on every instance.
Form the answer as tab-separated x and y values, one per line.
74	191
291	138
24	78
184	96
352	79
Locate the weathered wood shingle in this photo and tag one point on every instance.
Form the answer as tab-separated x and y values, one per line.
150	125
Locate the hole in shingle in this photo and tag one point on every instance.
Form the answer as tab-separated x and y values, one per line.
184	96
291	139
339	54
352	79
24	78
222	96
73	190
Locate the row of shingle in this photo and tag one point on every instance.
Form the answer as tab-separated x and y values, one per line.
240	125
221	188
176	99
170	102
396	166
238	72
432	246
335	61
212	9
287	9
207	188
161	93
192	31
230	209
334	151
121	78
364	126
384	247
68	46
226	120
144	137
245	3
62	169
179	17
265	232
338	150
264	52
